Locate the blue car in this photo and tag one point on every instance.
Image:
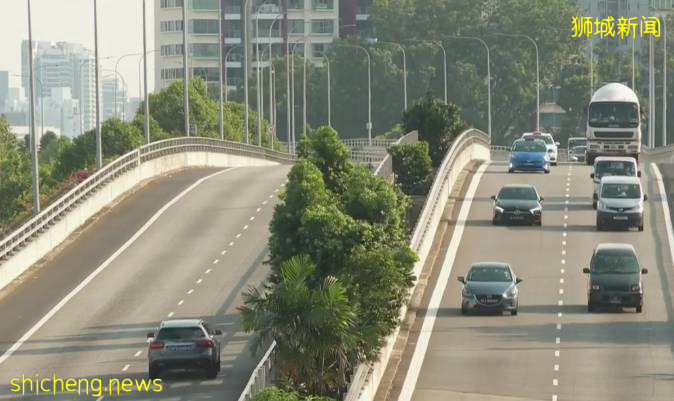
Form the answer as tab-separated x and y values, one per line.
529	155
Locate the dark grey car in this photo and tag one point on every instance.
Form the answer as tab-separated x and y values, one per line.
518	203
490	286
615	277
184	344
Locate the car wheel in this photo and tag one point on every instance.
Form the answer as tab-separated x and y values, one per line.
600	227
594	204
639	308
590	307
213	371
494	222
464	311
513	312
641	227
153	372
510	170
547	171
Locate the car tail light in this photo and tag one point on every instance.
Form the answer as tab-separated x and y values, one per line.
205	344
156	345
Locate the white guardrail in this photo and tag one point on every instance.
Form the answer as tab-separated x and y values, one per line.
44	232
470	145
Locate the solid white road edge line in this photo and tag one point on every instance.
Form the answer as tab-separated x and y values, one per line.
665	209
102	267
431	313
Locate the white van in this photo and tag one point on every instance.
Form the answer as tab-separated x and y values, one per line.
612	166
621	203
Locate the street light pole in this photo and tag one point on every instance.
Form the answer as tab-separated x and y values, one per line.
33	137
99	146
245	70
146	124
186	92
271	77
287	50
221	120
402	49
369	88
327	64
121	58
664	84
444	60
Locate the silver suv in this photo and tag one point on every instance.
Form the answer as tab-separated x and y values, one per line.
183	344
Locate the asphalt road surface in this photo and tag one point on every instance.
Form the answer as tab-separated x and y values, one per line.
554	349
192	258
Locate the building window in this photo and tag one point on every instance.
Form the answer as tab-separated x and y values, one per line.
318	49
168	74
204	26
171	26
172	50
324	4
233	29
208	74
295	26
324	26
296	4
171	3
205	50
205	4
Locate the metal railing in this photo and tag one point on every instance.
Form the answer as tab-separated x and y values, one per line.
354	143
54	212
429	216
263	375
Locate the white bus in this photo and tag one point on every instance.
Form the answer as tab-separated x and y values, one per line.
613	124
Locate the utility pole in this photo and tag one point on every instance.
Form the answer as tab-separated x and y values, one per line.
33	136
99	146
186	93
147	98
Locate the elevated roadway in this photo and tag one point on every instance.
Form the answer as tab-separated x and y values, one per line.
554	349
186	245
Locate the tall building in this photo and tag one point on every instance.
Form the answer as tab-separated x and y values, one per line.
112	102
311	22
4	89
62	65
354	18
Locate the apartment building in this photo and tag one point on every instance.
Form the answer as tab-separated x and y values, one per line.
310	25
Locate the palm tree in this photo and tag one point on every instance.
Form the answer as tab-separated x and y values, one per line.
313	327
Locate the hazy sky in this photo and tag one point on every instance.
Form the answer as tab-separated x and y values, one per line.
120	31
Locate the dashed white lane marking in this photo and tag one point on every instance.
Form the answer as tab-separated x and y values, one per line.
563	251
190	291
238	235
555	382
265	202
563	261
53	311
566	225
258	210
138	353
170	314
271	196
421	346
568	189
564	234
559	326
563	243
100	398
245	227
556	353
556	368
252	218
561	281
568	196
223	252
554	397
199	281
561	291
558	340
559	314
566	217
561	271
560	302
215	262
276	190
208	271
182	301
231	243
126	367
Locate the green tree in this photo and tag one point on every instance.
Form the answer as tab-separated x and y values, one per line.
413	167
48	137
437	123
15	183
313	327
276	394
325	150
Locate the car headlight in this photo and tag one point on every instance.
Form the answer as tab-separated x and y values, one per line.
511	292
602	206
466	292
537	209
547	158
635	287
498	209
595	287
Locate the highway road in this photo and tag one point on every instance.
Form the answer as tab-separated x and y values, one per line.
554	349
183	246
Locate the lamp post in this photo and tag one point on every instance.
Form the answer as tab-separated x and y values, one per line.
664	83
99	147
327	64
484	44
116	65
369	89
444	59
402	49
186	92
33	137
271	82
538	81
221	117
226	59
245	69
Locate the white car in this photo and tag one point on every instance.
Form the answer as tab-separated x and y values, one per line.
621	203
612	166
550	144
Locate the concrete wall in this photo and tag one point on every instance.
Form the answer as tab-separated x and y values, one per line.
51	238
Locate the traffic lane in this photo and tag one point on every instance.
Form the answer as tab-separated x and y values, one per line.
493	356
103	329
26	300
617	354
667	171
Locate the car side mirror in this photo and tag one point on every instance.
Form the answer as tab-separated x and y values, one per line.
541	199
558	144
217	332
493	197
518	280
150	335
592	175
461	279
645	197
644	271
639	174
586	270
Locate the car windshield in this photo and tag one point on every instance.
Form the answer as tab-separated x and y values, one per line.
578	149
615	262
614	114
180	333
577	142
545	138
523	193
528	146
621	191
489	273
619	168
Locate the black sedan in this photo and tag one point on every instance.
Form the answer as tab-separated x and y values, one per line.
518	203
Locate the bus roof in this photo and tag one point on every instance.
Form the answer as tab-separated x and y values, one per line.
615	92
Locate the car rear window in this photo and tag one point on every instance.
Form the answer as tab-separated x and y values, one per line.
615	262
487	273
547	139
610	168
180	333
529	146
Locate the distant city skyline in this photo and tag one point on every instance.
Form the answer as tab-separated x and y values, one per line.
72	21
